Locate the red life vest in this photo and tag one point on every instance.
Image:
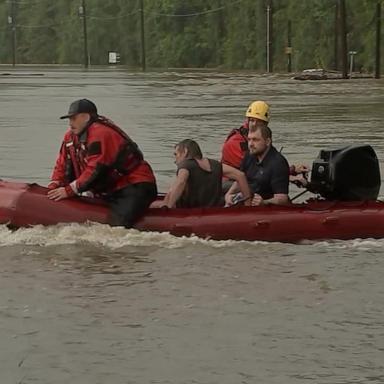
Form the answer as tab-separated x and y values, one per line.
102	159
235	146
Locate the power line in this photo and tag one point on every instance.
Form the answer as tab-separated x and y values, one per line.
110	18
69	20
31	2
196	13
38	26
113	17
23	26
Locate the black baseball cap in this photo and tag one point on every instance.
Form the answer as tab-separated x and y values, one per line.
81	106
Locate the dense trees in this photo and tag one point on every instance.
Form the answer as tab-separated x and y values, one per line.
218	33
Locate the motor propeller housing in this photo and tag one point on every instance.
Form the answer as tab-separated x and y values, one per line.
349	173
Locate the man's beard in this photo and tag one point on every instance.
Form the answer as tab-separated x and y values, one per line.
256	152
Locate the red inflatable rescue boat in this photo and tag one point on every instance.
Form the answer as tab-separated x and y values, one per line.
24	205
347	178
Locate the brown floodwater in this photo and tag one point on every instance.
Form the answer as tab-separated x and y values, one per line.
94	304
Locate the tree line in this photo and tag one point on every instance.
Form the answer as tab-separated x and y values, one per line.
225	34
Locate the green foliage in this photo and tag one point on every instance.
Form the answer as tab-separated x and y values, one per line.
233	36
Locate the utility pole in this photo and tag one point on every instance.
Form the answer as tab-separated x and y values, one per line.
343	35
336	38
143	61
378	40
269	46
83	15
12	24
289	46
351	61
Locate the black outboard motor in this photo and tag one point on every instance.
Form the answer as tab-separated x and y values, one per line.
347	174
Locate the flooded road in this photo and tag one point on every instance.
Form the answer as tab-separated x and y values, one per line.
94	304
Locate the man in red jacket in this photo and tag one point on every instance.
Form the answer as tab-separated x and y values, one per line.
98	158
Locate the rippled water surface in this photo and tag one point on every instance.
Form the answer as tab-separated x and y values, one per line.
94	304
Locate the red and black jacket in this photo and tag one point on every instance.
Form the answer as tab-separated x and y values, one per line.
102	159
235	147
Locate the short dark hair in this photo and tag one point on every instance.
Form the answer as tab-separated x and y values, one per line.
193	149
266	132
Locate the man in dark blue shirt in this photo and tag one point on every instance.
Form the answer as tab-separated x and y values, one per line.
266	169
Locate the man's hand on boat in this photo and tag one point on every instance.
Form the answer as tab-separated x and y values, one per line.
257	200
300	180
58	194
299	175
297	169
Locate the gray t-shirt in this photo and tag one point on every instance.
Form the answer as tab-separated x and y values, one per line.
203	187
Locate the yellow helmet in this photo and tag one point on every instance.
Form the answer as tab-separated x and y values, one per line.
258	110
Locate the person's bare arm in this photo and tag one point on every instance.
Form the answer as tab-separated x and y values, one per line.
231	192
176	189
240	181
277	199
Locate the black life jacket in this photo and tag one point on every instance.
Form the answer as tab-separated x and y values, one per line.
130	155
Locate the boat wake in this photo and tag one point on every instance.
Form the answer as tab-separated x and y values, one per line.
117	237
355	244
102	235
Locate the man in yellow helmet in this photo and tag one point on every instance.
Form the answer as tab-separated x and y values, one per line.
236	143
